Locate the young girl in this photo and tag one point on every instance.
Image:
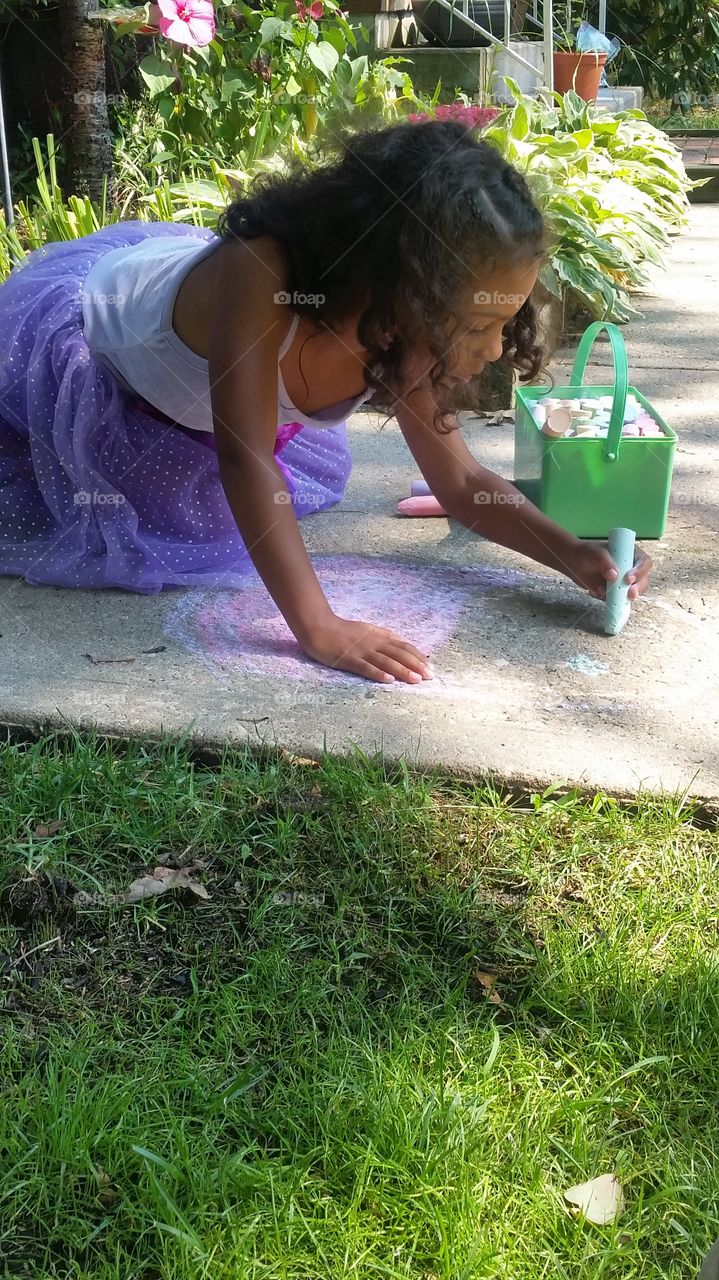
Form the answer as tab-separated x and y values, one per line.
392	276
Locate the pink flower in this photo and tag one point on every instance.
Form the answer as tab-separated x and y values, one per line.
314	10
470	117
190	22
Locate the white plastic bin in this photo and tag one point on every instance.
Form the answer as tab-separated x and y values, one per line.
620	97
503	65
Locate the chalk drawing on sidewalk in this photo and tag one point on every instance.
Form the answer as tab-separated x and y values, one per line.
242	630
587	666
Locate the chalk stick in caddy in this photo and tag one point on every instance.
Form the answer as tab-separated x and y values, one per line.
617	608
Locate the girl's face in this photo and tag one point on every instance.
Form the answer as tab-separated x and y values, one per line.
483	311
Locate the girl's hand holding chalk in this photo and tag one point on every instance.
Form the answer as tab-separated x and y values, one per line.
592	567
367	650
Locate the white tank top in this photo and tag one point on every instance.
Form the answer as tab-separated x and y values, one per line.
128	297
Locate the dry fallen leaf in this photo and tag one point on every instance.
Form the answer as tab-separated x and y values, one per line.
487	981
48	829
292	759
107	1195
601	1200
161	881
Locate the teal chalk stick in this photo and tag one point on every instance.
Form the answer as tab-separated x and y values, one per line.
618	608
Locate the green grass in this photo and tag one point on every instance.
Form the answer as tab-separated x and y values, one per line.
667	115
256	1087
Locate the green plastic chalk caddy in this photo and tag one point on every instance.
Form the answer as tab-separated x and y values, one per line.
590	486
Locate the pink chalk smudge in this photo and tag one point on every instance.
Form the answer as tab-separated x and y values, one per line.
243	630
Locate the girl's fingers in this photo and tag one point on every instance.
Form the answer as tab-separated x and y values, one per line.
638	576
394	661
397	669
366	669
407	656
394	645
397	642
386	671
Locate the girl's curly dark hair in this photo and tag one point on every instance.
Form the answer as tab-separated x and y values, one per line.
395	229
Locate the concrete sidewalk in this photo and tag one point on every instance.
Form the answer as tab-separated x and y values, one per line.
528	688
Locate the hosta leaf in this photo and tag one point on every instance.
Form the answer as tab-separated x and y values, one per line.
520	122
550	280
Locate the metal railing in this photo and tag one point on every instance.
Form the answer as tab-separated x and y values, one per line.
460	9
541	16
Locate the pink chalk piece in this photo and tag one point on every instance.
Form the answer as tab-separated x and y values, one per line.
420	489
421	506
648	426
558	422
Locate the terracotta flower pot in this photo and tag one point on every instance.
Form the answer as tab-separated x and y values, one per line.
579	71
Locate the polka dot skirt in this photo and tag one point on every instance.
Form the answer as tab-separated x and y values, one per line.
96	490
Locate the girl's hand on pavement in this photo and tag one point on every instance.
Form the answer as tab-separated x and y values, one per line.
368	651
592	567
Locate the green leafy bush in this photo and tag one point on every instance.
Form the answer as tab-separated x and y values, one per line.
272	75
611	188
672	47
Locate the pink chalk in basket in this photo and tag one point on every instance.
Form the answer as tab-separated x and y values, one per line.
648	426
558	423
425	505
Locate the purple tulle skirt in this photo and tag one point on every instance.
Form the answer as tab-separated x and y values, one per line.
96	488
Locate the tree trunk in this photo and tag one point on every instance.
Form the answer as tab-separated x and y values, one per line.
87	136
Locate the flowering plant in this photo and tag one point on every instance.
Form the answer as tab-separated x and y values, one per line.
471	117
190	22
237	80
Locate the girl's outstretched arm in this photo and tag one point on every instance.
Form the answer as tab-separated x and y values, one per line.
494	508
243	351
